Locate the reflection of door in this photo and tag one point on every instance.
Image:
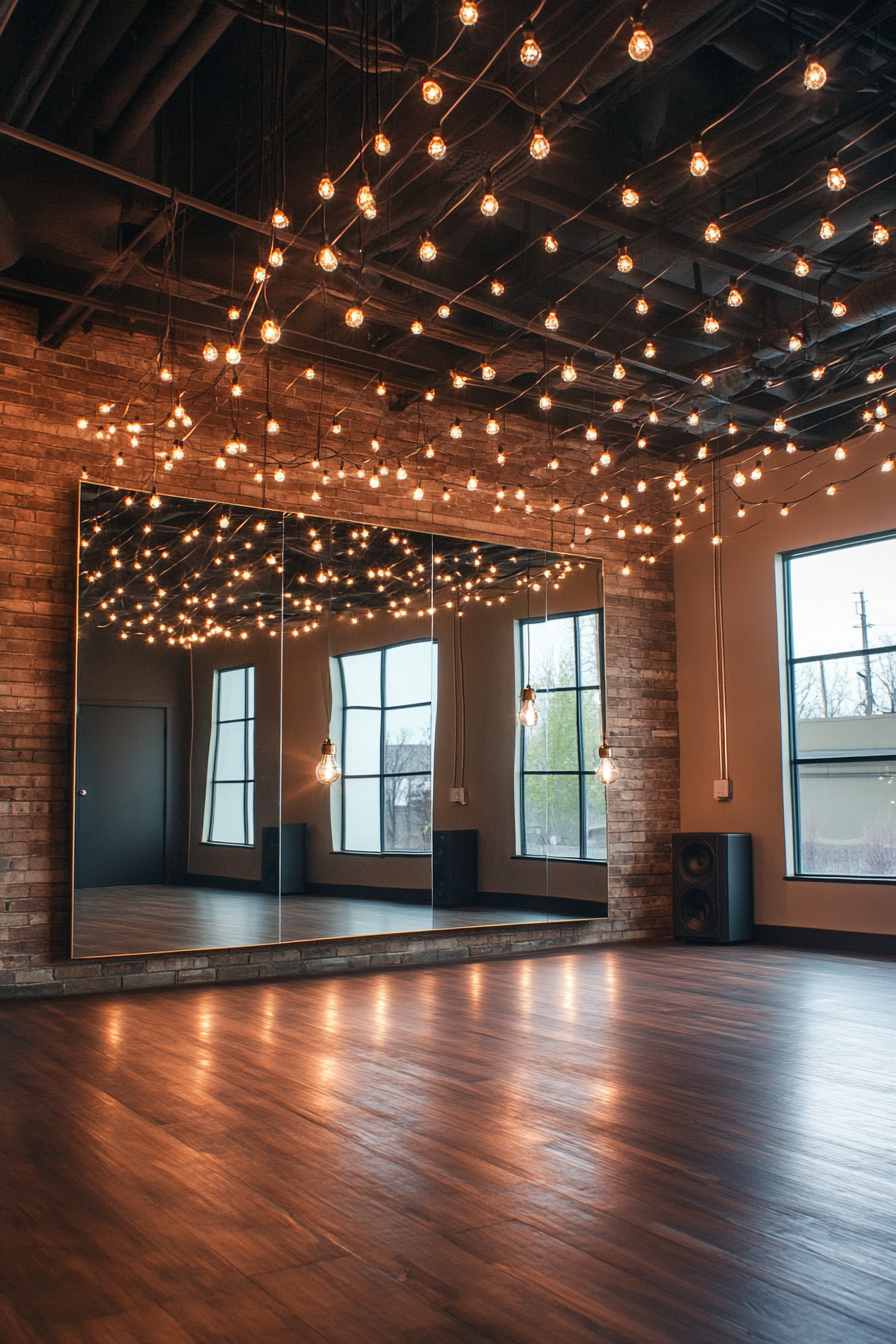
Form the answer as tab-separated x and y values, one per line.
120	795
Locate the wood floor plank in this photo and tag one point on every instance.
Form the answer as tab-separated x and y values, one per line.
647	1144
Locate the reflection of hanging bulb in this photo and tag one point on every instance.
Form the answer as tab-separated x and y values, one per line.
437	149
699	161
382	144
432	92
326	258
739	478
530	51
836	175
270	331
552	321
209	352
428	250
630	197
640	46
418	492
540	145
527	714
335	426
166	375
235	389
325	189
815	74
826	228
712	233
354	316
327	770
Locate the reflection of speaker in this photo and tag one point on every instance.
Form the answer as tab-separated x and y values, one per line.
283	863
712	886
455	867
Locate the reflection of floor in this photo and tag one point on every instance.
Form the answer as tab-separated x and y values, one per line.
112	920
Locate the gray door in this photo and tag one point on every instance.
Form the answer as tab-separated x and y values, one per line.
120	795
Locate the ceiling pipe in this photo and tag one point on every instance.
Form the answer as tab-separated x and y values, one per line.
60	56
46	43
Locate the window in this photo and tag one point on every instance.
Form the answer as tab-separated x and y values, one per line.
562	807
230	794
387	711
840	605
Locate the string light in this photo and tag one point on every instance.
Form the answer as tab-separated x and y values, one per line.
544	402
456	430
492	426
618	368
232	354
489	203
624	262
640	46
888	465
270	331
874	376
605	459
458	380
836	175
469	13
497	288
739	478
235	388
418	492
826	229
209	352
530	51
780	424
165	375
801	265
568	372
259	275
712	233
382	144
428	250
641	304
444	310
650	350
840	453
429	394
710	321
552	321
591	434
233	313
838	308
880	234
326	258
416	327
488	372
818	372
815	74
276	258
437	149
335	426
653	415
707	380
795	343
472	483
365	200
699	161
272	426
630	197
550	243
619	403
693	416
831	490
325	189
432	91
354	316
790	446
756	473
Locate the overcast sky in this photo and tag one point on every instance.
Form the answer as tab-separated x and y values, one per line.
825	589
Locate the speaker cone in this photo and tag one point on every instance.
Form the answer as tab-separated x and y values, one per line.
697	911
697	860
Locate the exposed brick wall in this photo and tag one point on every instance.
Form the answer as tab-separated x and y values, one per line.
42	454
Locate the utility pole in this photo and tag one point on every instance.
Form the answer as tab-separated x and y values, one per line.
862	613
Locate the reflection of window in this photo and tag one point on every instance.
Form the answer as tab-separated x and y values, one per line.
230	795
386	781
562	808
840	605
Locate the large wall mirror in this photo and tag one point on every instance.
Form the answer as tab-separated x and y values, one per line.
294	728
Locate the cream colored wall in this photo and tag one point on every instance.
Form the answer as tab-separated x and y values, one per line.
754	700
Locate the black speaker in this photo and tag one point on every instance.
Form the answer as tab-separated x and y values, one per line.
455	868
283	859
712	886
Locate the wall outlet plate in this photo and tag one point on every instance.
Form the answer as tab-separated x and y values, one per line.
459	796
722	790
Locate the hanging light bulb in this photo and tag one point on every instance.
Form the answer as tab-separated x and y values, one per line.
437	149
624	262
552	321
492	426
428	249
539	145
235	388
325	189
840	453
707	380
429	394
544	401
416	327
270	331
640	45
458	380
456	430
818	372
641	304
619	402
276	258
888	465
279	218
815	74
699	161
607	770
430	451
177	452
209	352
739	478
472	483
335	426
650	350
165	375
605	459
710	322
527	714
826	228
880	234
693	416
801	265
443	310
780	424
382	144
355	316
327	770
326	258
874	375
232	354
836	175
432	92
735	298
732	427
568	372
119	462
550	243
418	492
712	233
380	388
365	198
489	203
469	13
259	275
795	343
497	287
591	434
630	197
881	411
756	473
488	372
530	51
618	368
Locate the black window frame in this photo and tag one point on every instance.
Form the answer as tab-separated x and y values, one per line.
213	781
382	708
793	757
583	771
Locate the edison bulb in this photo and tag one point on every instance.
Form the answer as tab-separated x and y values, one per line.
801	266
381	388
693	417
327	770
209	352
756	473
416	327
545	402
428	249
540	145
630	197
712	233
456	430
530	51
365	198
272	426
815	74
270	331
826	228
550	243
458	380
607	771
355	316
739	478
552	321
640	46
279	219
707	380
497	288
795	343
326	258
699	162
492	426
818	372
437	149
233	313
735	298
259	275
166	375
154	501
624	262
527	714
618	369
710	323
641	304
780	424
880	234
489	205
233	355
568	372
432	92
836	176
276	258
591	434
382	144
418	492
650	350
325	189
488	372
82	422
469	13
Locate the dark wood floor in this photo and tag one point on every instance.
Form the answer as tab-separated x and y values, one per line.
642	1143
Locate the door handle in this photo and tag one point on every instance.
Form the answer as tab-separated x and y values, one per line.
82	793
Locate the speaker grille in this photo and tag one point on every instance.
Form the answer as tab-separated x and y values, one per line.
698	911
697	860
